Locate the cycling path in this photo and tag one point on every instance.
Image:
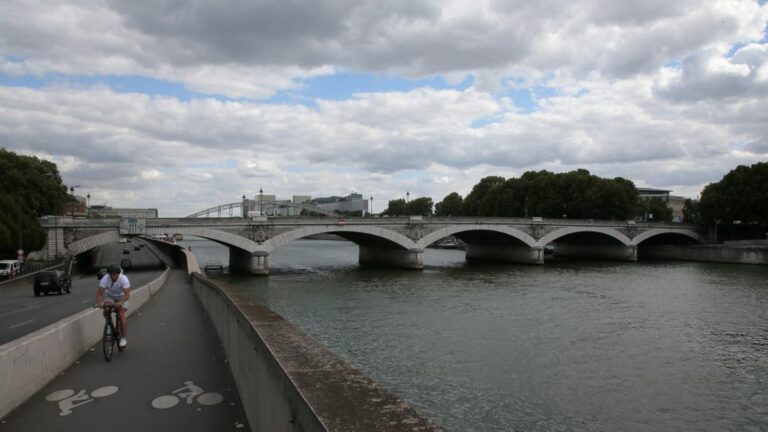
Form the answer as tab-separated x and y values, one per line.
173	376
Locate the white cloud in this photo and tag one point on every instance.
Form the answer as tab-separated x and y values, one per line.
645	90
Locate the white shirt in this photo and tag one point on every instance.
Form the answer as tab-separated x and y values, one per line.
115	289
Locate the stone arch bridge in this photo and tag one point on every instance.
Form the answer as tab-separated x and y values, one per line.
396	241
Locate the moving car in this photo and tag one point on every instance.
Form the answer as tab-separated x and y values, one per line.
52	281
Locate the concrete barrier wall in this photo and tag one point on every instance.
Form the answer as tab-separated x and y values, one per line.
30	362
289	382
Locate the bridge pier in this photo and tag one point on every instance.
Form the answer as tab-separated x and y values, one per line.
512	254
597	251
403	258
241	261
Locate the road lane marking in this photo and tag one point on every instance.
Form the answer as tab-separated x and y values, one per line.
22	309
21	324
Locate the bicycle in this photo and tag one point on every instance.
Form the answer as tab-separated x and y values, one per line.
112	331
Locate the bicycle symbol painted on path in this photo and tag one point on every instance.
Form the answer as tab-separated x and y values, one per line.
191	393
68	399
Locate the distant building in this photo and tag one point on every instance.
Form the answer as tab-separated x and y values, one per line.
301	199
676	203
352	203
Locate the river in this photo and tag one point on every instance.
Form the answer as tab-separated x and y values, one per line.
566	346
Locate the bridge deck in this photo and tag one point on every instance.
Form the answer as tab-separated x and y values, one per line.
171	342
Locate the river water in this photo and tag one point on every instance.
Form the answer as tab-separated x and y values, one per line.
567	346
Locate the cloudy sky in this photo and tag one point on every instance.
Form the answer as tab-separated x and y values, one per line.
186	105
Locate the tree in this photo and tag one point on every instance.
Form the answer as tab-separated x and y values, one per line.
691	212
575	194
741	195
29	188
481	197
451	205
655	209
396	207
420	206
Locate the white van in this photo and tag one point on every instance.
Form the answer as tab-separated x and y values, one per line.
9	269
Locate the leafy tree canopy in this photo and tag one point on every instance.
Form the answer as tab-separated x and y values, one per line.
29	188
741	195
451	205
575	194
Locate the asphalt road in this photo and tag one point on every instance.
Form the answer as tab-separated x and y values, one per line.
22	313
173	376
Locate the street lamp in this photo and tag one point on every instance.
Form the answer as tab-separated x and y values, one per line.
407	196
88	204
261	202
371	209
20	252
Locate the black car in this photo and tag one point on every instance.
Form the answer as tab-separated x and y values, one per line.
52	281
101	273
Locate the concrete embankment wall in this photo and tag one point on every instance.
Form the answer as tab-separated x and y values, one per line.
710	253
30	362
289	382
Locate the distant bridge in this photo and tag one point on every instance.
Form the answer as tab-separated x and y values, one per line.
268	208
398	241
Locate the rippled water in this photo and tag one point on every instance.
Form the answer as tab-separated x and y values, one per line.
567	346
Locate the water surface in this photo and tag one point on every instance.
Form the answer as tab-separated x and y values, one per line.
567	346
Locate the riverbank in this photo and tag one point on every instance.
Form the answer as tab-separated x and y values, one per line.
746	254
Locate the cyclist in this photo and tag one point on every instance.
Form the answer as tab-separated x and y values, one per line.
115	288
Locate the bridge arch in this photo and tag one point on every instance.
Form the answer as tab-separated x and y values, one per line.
226	238
391	236
502	229
562	232
662	231
92	242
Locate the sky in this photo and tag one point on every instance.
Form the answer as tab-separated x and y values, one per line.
182	106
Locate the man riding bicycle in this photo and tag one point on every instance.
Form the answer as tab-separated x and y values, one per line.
114	288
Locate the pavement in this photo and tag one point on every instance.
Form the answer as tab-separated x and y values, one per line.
173	375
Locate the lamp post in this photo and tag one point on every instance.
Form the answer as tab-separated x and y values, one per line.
72	205
88	204
407	196
20	252
244	207
371	209
261	202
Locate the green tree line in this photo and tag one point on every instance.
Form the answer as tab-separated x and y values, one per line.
738	203
576	194
29	188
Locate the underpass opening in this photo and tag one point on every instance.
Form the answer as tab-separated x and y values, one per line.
495	245
489	238
592	244
667	246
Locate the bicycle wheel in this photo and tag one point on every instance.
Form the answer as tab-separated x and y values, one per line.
108	341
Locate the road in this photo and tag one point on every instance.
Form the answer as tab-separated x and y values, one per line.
22	313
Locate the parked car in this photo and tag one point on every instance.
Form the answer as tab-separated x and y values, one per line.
9	269
136	248
126	251
101	273
52	281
